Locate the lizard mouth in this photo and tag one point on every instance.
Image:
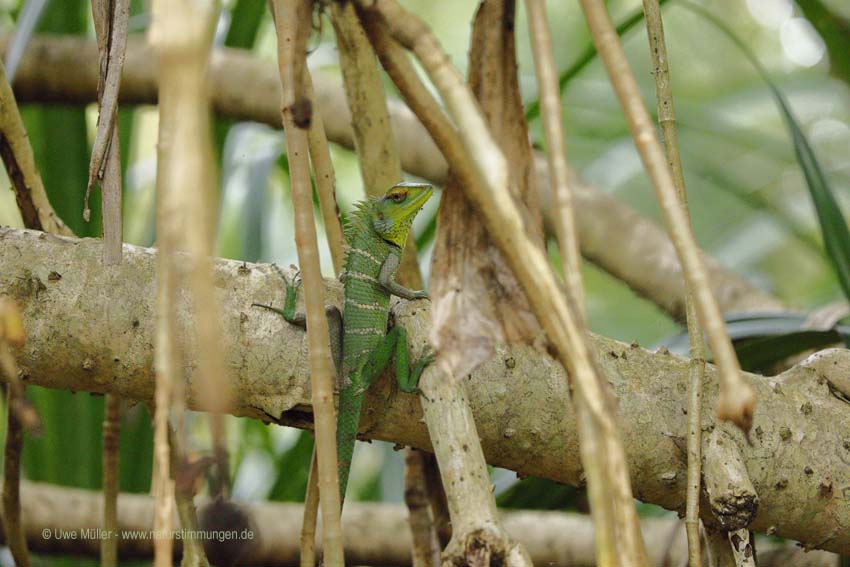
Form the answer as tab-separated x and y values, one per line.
420	195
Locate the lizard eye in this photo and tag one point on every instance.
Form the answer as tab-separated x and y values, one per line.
398	197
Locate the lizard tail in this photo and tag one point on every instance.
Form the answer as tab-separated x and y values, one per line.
346	434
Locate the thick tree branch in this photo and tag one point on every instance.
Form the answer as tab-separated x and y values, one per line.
375	534
82	339
615	237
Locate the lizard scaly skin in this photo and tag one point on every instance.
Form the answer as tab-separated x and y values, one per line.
375	233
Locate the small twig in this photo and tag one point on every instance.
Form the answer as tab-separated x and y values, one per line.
111	432
439	501
743	548
325	188
559	174
737	401
12	525
166	362
111	20
187	478
694	472
12	333
311	514
17	155
323	172
195	177
320	158
291	19
667	120
425	551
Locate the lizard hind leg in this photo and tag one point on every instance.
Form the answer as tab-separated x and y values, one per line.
407	375
395	346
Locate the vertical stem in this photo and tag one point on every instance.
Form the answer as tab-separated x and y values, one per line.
311	513
111	432
694	473
12	525
439	501
719	549
743	547
180	34
667	121
472	508
323	172
18	415
166	357
111	27
559	175
192	547
426	546
736	402
292	24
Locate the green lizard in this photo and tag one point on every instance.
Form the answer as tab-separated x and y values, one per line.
375	234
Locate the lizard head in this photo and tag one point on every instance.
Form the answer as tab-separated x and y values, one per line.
393	213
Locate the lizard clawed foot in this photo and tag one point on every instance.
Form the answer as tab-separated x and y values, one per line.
428	357
291	284
295	281
412	387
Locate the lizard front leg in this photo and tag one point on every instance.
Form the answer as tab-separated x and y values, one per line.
290	299
386	277
292	315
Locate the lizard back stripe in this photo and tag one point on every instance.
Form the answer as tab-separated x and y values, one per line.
375	306
366	331
363	277
366	254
